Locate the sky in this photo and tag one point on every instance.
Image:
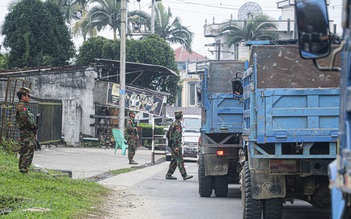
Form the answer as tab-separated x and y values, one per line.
193	14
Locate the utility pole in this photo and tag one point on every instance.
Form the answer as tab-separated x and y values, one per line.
122	68
152	16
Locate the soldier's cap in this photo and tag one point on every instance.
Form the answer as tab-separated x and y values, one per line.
24	89
131	112
178	113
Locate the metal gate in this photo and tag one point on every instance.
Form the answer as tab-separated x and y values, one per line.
50	119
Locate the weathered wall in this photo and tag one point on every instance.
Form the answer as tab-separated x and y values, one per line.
74	86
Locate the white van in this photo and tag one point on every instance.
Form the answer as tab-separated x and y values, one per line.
191	134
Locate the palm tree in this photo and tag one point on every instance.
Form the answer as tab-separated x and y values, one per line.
107	13
69	9
172	31
255	28
82	26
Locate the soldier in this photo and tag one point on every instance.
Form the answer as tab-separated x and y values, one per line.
131	135
174	135
26	125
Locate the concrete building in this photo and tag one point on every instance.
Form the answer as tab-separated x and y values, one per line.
190	82
285	24
82	91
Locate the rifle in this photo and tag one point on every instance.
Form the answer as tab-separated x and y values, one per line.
37	144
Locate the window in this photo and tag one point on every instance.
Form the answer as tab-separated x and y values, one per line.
192	94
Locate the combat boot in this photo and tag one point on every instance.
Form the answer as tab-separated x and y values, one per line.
187	177
170	177
132	162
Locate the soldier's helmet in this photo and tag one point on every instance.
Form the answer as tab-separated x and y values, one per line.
131	112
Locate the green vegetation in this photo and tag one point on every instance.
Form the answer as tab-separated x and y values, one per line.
255	28
53	197
147	134
120	171
152	50
36	34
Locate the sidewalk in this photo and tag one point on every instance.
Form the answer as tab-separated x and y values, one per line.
88	162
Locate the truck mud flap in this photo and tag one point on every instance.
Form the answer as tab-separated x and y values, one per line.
265	186
215	166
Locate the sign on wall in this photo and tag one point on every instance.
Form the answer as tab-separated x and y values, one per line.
144	100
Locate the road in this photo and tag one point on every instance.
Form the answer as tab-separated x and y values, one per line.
145	193
150	195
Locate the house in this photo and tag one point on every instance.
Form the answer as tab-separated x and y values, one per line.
285	24
188	95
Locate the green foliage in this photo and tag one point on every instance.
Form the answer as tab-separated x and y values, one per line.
62	196
120	171
173	31
4	61
151	50
91	49
147	130
147	133
37	35
10	146
256	28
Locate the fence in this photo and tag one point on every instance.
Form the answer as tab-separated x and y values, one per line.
49	121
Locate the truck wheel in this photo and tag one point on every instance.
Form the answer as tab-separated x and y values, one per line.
251	207
205	182
221	186
273	208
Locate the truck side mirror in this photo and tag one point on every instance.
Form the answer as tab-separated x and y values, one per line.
313	28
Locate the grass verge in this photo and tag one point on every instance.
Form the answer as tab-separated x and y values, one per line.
42	195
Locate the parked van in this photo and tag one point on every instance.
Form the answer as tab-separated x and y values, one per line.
191	133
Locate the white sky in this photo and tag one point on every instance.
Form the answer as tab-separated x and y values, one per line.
193	14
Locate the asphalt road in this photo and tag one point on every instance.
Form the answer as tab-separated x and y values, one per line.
145	193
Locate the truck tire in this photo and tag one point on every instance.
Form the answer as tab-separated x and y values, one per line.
251	207
221	186
205	182
273	208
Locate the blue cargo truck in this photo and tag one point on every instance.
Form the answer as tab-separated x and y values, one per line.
291	115
221	126
315	42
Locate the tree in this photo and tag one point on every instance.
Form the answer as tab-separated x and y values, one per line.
107	13
37	35
69	9
82	26
91	49
3	61
151	50
255	28
172	31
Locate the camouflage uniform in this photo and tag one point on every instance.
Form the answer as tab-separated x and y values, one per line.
131	136
175	135
26	125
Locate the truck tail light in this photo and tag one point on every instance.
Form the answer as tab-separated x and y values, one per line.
220	153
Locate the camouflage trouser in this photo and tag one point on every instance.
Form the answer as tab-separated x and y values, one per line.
177	160
131	146
26	154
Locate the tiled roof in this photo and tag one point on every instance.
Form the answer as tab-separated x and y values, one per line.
181	55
